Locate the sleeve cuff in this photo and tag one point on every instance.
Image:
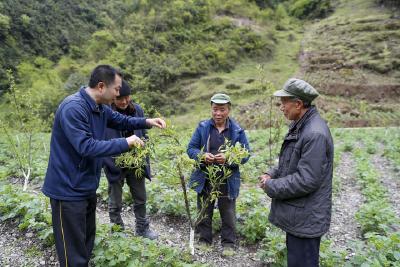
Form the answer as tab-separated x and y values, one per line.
123	145
268	189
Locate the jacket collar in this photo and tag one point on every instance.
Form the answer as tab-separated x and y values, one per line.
227	123
92	104
233	125
297	125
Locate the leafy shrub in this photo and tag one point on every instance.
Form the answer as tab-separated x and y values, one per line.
232	86
330	256
310	8
274	250
213	81
31	212
252	215
124	249
380	250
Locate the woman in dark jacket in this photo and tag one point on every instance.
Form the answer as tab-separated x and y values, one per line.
117	176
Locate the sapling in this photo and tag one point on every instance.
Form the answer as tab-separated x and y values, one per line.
183	162
219	174
135	159
275	120
24	119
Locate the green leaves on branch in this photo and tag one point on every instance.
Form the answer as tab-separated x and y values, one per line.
234	154
135	158
219	174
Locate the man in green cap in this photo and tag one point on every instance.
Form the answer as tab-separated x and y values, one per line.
301	185
205	146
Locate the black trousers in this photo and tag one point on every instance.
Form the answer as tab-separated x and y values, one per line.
74	227
227	210
302	252
137	188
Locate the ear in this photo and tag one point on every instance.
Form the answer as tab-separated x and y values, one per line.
299	104
101	86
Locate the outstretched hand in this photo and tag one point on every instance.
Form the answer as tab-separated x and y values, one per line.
157	122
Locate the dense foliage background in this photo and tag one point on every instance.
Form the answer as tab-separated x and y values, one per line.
51	46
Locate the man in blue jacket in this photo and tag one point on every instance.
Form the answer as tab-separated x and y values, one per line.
205	146
117	176
77	147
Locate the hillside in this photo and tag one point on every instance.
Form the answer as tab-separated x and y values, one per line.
351	57
176	54
48	29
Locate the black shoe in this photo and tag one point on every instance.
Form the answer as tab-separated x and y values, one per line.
147	233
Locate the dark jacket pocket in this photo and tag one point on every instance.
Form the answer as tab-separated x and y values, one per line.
296	202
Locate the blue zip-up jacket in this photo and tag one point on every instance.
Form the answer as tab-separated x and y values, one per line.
199	144
78	146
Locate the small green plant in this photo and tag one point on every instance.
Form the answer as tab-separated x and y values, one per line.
252	213
234	156
124	249
20	136
348	147
32	211
274	250
330	256
380	250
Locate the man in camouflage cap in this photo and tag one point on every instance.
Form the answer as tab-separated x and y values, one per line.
300	186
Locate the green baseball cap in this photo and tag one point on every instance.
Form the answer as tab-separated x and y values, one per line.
298	88
220	99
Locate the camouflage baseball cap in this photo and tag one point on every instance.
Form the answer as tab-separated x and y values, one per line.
298	88
220	99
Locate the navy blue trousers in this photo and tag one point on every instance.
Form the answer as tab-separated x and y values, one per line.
74	227
302	252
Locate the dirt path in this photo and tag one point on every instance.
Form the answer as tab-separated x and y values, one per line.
23	249
345	204
175	233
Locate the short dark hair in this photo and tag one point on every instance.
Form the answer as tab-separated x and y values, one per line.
103	73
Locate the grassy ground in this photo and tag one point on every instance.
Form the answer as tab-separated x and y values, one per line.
354	55
351	57
243	83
